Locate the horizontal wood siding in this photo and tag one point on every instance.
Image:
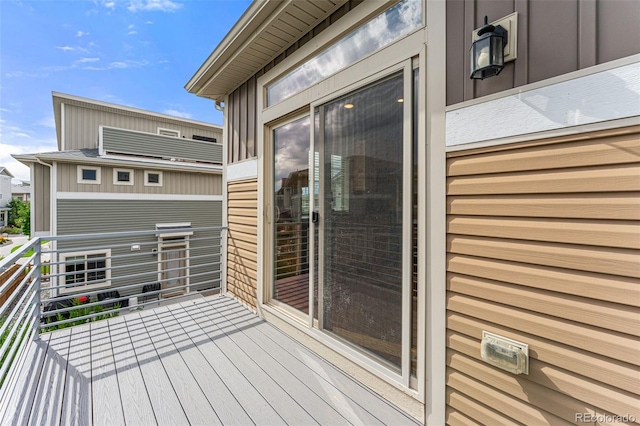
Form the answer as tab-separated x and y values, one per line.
242	252
81	124
100	216
173	182
123	141
544	247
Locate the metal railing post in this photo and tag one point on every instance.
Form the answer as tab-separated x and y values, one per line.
37	263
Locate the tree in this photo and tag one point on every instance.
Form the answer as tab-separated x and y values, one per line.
16	206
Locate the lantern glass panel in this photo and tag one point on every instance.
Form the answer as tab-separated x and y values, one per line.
497	51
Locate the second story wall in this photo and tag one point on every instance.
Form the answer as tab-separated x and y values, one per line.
41	202
5	190
173	182
81	125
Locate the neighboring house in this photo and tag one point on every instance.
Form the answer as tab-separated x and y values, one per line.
442	207
22	191
5	195
121	169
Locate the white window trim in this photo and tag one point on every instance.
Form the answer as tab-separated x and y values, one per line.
146	178
115	177
174	131
101	284
90	182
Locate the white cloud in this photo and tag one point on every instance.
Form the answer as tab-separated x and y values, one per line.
47	122
86	60
19	170
65	48
81	34
109	4
176	113
118	65
132	32
153	5
5	110
149	22
131	26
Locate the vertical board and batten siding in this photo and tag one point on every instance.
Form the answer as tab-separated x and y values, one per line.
81	124
543	247
100	216
585	33
242	101
124	141
173	182
41	198
242	245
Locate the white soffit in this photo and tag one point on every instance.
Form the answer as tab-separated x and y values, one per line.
265	30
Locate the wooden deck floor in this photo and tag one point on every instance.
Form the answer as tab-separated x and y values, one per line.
202	362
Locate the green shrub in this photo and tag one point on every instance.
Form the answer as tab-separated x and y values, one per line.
11	230
80	312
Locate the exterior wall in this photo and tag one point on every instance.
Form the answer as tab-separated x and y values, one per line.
41	203
543	248
242	244
173	182
241	104
98	216
554	38
152	145
5	190
81	125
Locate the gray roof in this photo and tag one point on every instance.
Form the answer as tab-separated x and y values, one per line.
74	154
4	170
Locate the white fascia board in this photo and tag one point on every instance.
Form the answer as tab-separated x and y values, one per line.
127	196
246	169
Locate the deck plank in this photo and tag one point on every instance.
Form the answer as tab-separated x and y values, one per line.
377	406
19	405
287	407
221	399
166	405
135	398
196	405
105	391
258	409
322	385
76	406
48	400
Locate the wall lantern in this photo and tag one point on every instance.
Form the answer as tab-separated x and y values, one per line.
487	52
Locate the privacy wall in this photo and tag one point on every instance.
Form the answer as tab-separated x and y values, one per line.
543	247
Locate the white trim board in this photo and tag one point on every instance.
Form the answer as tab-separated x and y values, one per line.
247	169
145	197
608	95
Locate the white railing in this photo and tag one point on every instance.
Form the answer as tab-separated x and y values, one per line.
56	282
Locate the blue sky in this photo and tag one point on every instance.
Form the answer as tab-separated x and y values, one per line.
138	53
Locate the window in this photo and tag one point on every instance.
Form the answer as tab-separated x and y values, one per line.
391	25
169	132
86	270
122	177
89	175
152	178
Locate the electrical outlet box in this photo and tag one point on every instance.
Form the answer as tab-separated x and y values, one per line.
509	23
505	353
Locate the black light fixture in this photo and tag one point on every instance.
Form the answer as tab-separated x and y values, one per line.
487	52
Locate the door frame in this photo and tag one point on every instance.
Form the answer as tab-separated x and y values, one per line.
173	243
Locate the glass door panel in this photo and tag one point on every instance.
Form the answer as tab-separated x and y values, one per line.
291	213
362	218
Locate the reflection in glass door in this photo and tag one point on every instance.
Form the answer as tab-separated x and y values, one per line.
291	213
361	213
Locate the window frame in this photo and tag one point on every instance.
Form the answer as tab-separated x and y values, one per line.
81	179
146	178
98	284
399	55
130	182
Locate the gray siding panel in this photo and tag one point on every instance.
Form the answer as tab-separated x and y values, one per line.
81	125
83	217
173	182
585	33
123	141
42	198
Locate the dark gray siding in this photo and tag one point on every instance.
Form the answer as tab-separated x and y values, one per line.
241	106
123	141
98	216
554	38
